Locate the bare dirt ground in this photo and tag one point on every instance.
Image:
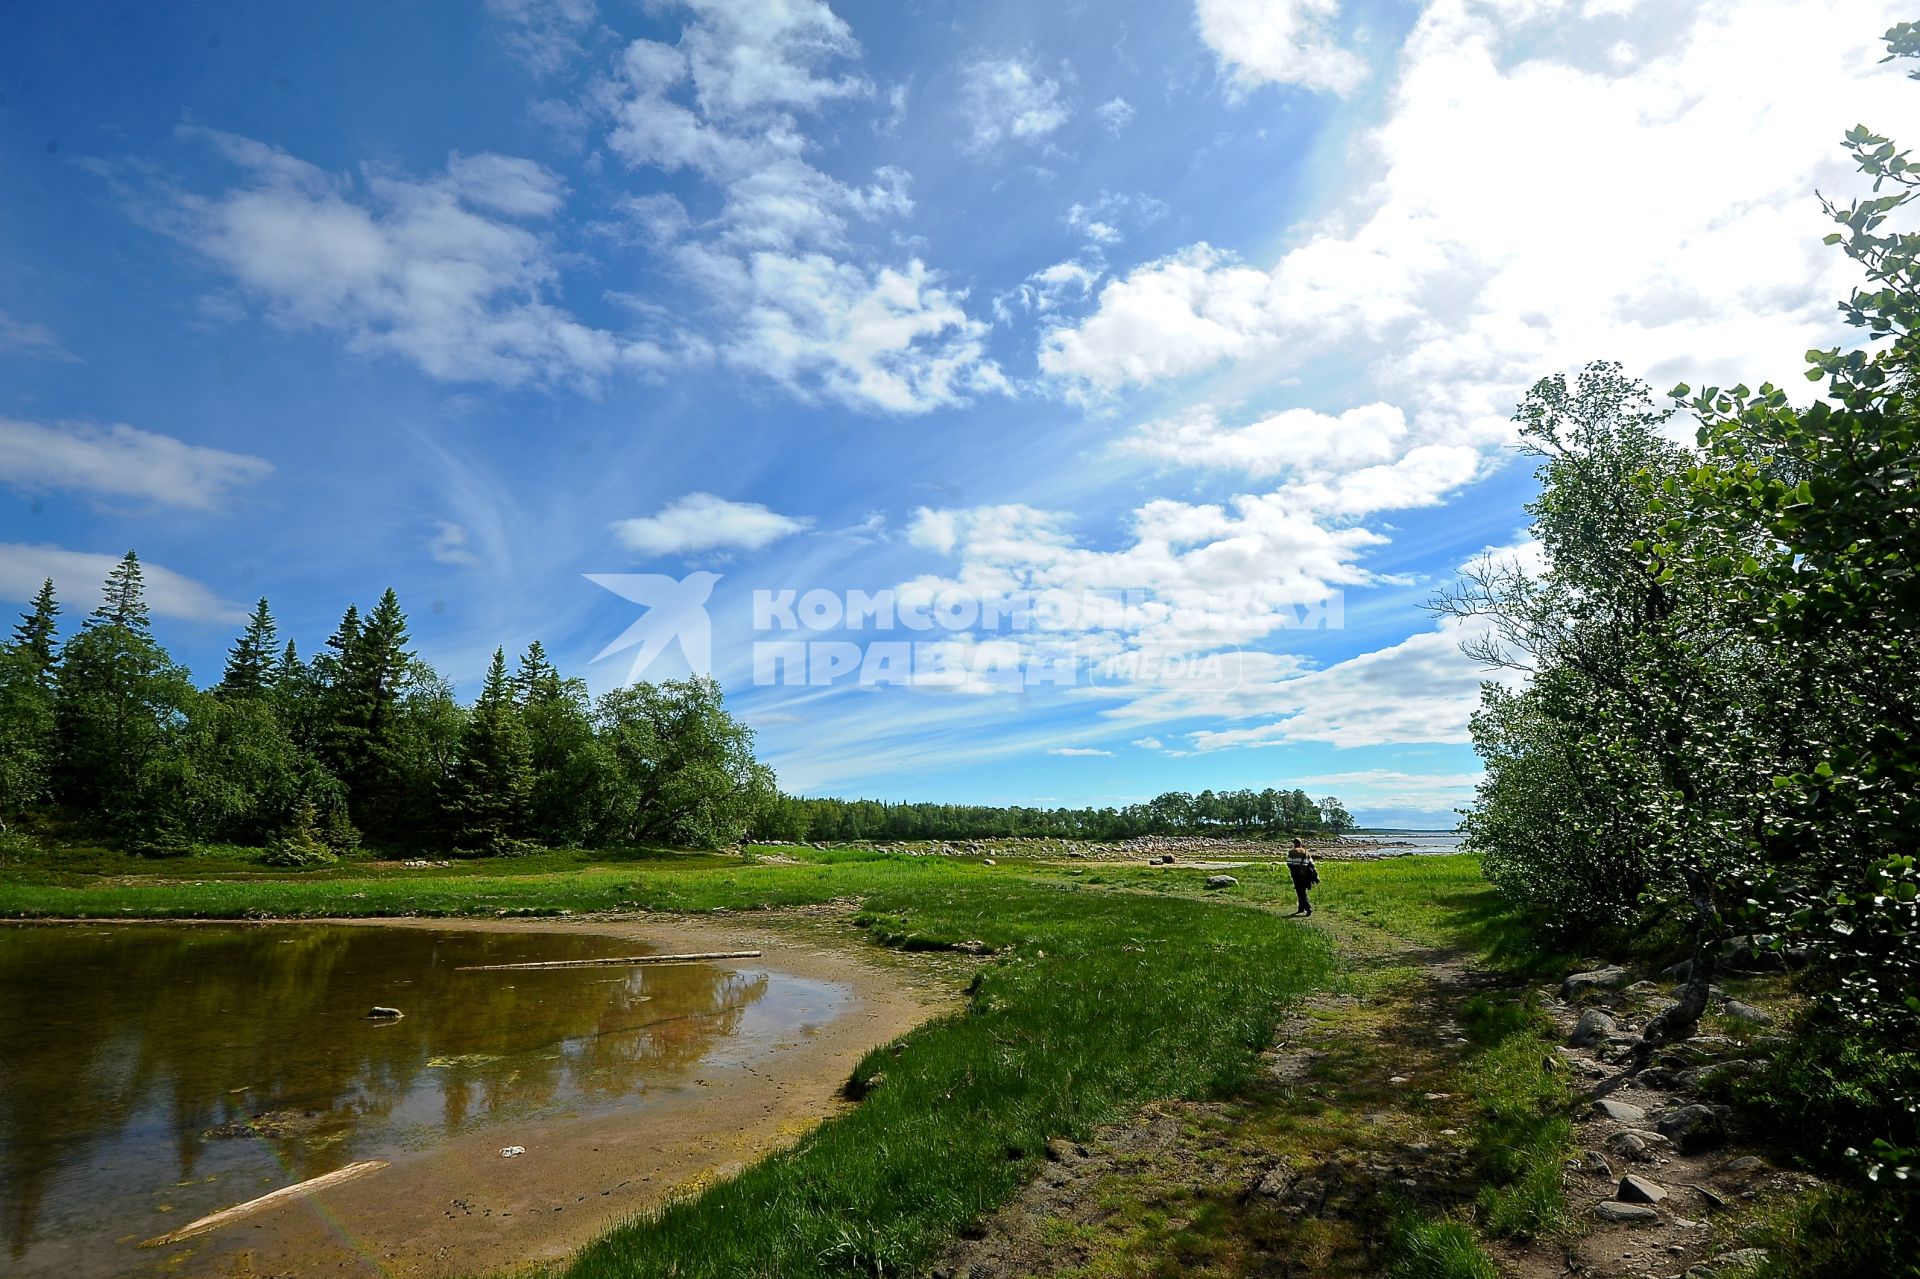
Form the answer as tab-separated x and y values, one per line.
462	1209
1354	1111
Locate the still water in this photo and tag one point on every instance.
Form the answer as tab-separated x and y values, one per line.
150	1074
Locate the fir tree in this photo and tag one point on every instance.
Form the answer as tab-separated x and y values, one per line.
33	637
537	680
485	798
123	600
250	662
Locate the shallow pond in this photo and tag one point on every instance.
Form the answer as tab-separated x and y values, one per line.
152	1073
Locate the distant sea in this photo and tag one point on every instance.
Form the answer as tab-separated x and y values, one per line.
1426	841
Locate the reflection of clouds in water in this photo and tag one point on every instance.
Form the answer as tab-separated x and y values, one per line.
120	1049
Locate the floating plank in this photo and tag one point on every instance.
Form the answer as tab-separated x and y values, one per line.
214	1221
624	961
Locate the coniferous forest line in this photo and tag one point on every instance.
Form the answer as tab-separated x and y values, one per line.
365	744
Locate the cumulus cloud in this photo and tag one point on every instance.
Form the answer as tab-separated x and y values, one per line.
1149	743
77	576
1422	689
1279	42
701	522
1007	99
793	296
123	461
1431	278
437	270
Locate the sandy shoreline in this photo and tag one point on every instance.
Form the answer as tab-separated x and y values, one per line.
460	1209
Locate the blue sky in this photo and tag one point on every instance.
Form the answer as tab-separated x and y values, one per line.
1225	304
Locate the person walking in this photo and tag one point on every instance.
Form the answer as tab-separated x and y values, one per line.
1305	874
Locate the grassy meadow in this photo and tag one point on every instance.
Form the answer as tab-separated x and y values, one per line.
1109	986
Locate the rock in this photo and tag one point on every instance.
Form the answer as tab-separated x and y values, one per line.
1594	1027
1746	1164
988	861
512	1152
1677	972
1609	1210
1630	1145
1062	1151
1694	1128
1276	1181
1638	1190
380	1012
1738	1259
1608	978
1621	1112
1746	1012
1596	1163
1221	881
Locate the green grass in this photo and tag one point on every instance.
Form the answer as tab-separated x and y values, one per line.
1418	1248
1524	1130
1094	1003
1099	1003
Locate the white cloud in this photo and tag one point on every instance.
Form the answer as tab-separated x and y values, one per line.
77	577
1279	42
1049	289
1115	115
1295	441
1422	689
437	270
29	338
1077	751
701	522
544	34
792	297
1432	280
123	461
450	543
1006	99
1149	743
1389	788
1100	220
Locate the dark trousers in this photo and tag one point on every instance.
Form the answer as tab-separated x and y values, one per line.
1300	891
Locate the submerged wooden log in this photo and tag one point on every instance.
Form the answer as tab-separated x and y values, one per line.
213	1221
623	961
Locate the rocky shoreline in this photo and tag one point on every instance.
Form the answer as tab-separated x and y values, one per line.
1149	848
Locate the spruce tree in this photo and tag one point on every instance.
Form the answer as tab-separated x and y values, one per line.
486	795
33	637
123	599
537	680
251	660
118	697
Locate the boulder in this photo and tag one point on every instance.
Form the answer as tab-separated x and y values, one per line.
1621	1112
1610	1210
1746	1012
1638	1190
1694	1128
1221	881
1609	978
1594	1027
1629	1145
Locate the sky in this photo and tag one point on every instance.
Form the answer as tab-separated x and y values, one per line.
1147	366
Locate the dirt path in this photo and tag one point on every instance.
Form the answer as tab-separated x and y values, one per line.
1355	1109
461	1209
